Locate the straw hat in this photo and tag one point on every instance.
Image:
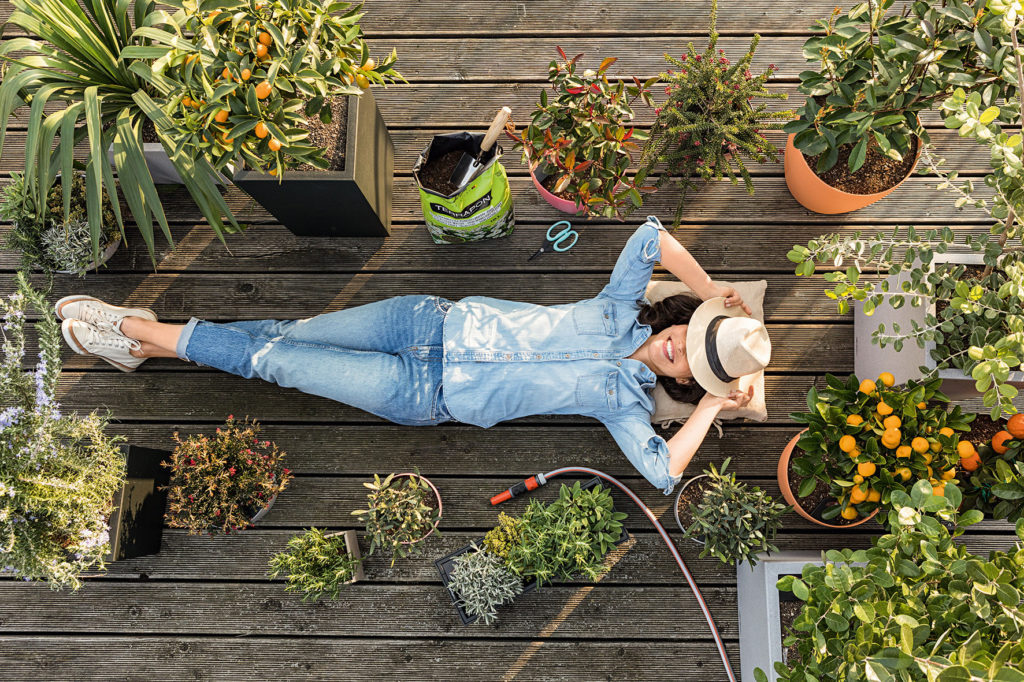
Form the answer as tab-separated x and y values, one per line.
724	344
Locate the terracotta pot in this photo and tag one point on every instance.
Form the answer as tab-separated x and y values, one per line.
782	474
440	506
815	194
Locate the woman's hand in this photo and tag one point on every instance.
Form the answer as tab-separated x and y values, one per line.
732	298
734	401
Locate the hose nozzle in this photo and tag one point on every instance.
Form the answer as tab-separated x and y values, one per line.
531	483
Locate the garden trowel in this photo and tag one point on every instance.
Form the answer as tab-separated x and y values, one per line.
469	165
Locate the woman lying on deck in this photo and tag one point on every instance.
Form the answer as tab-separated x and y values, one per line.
424	360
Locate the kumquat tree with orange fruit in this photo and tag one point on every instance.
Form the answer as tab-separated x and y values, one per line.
867	439
996	480
242	76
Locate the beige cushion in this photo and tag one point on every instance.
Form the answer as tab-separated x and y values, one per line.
668	411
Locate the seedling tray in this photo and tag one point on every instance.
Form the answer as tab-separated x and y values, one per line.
447	563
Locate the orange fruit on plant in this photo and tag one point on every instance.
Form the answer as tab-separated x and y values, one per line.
370	65
946	431
854	420
971	462
903	473
939	489
261	50
892	422
226	73
274	145
263	90
948	474
265	39
221	116
867	386
866	469
857	495
965	448
903	451
273	171
854	454
847	443
884	409
246	74
922	406
1015	425
999	441
849	513
362	81
887	378
186	101
874	495
224	137
927	457
919	445
261	130
858	479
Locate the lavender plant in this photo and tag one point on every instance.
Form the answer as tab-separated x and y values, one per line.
481	582
58	472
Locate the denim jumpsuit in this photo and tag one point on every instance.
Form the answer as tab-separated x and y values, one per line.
424	360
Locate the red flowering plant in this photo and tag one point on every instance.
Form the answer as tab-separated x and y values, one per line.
219	483
708	125
581	138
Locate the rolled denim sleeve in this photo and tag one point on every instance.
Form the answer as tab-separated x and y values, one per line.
645	450
636	263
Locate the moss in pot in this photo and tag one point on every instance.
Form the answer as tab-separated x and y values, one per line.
733	520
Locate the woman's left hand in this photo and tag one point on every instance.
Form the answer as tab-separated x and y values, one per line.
732	298
734	401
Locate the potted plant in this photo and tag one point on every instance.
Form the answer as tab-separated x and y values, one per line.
858	135
732	520
318	564
51	238
707	124
281	87
403	510
59	472
481	582
578	142
88	80
916	605
226	482
864	442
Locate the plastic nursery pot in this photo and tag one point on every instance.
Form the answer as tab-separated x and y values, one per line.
815	194
440	506
352	549
563	205
787	492
263	512
105	255
675	508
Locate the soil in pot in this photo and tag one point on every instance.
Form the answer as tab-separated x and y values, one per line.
878	173
330	137
982	430
436	174
789	609
548	183
149	131
818	501
694	494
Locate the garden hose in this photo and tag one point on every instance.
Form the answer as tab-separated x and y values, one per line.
535	482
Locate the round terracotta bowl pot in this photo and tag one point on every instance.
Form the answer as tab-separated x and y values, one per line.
563	205
782	473
816	195
437	495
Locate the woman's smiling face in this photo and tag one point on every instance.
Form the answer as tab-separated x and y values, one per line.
665	353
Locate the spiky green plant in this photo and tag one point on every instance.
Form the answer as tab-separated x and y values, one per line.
58	472
317	564
481	582
708	124
87	67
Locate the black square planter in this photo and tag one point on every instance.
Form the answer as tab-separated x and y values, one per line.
445	564
355	202
137	524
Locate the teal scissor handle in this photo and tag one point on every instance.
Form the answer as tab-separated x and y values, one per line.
557	239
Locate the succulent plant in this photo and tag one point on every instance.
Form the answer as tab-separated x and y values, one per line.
398	514
735	520
317	564
481	582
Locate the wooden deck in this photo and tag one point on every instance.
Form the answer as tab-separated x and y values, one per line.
204	609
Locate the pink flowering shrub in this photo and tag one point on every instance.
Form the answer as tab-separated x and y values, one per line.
219	483
708	125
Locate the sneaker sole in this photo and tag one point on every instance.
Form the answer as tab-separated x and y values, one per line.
59	305
69	336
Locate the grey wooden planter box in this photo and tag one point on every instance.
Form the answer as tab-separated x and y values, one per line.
869	359
354	202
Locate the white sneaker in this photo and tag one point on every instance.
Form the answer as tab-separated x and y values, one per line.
103	342
92	310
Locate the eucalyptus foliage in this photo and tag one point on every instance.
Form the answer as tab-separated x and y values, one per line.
481	582
99	92
58	472
733	519
875	70
922	608
318	564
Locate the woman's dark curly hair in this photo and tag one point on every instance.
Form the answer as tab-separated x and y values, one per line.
661	315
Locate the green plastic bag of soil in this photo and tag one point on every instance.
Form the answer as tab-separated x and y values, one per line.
480	210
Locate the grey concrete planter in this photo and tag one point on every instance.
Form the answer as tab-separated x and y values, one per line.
354	202
869	359
758	602
160	166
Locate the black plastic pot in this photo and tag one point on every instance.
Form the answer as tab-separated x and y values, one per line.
354	202
445	565
137	523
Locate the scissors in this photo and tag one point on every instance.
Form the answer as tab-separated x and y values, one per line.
556	242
